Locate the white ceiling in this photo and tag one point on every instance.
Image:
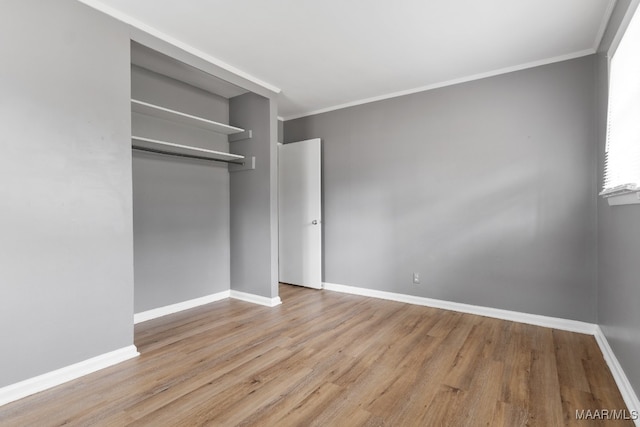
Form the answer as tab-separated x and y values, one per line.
325	54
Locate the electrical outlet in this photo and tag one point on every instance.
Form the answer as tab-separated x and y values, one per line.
416	278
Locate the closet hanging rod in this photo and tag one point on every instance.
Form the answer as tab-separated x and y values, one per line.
188	156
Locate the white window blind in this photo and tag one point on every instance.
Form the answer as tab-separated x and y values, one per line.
622	164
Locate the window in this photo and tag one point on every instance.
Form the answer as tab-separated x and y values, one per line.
622	164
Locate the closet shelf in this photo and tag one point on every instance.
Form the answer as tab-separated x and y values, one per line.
180	117
170	148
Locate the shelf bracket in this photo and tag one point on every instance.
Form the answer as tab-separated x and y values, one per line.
249	163
247	134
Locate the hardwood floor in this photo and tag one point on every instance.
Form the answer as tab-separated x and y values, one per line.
331	359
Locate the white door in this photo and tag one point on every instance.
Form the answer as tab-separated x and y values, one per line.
299	213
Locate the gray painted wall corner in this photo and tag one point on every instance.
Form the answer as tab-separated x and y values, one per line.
253	197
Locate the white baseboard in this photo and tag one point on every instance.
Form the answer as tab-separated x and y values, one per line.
628	394
256	299
174	308
42	382
515	316
185	305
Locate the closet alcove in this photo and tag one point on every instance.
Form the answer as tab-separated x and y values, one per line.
202	167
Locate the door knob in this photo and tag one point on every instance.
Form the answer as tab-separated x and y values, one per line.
314	222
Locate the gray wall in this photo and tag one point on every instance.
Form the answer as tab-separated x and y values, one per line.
280	130
619	246
487	189
254	230
66	253
180	206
